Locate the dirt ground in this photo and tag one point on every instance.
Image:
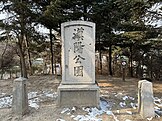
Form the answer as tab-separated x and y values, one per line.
113	90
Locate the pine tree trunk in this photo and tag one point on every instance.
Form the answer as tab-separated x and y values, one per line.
51	47
55	68
29	56
2	72
110	60
21	45
2	57
100	57
131	64
22	62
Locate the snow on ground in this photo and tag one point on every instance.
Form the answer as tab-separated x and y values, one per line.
93	114
34	98
5	102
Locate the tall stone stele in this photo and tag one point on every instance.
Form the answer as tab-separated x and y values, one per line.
78	86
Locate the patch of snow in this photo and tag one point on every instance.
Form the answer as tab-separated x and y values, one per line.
65	110
118	111
93	113
72	116
6	102
104	105
156	99
32	95
128	120
3	94
68	113
133	105
159	105
125	97
50	94
149	119
157	108
132	98
73	109
129	112
33	104
106	92
60	119
109	113
33	99
122	104
128	97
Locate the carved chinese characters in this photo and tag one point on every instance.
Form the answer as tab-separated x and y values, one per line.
78	55
78	49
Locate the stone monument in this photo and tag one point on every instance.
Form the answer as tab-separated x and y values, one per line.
20	97
78	87
145	99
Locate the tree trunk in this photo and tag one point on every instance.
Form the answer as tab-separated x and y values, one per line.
55	68
29	56
151	73
51	47
20	45
100	57
22	62
2	72
131	64
2	57
110	60
55	60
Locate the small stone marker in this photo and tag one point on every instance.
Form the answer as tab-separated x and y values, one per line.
78	86
20	97
145	99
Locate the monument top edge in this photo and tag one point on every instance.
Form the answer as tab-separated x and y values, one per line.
78	22
20	79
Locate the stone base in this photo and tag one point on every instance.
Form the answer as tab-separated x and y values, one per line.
78	95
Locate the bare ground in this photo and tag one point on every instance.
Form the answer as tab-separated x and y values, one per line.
113	90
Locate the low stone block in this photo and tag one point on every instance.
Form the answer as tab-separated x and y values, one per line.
20	97
145	99
139	94
78	95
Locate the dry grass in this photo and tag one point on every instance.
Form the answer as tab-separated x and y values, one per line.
111	89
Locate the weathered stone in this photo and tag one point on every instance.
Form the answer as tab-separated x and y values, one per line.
20	98
145	99
78	49
78	95
78	86
139	94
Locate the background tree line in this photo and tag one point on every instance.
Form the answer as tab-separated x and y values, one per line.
121	31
